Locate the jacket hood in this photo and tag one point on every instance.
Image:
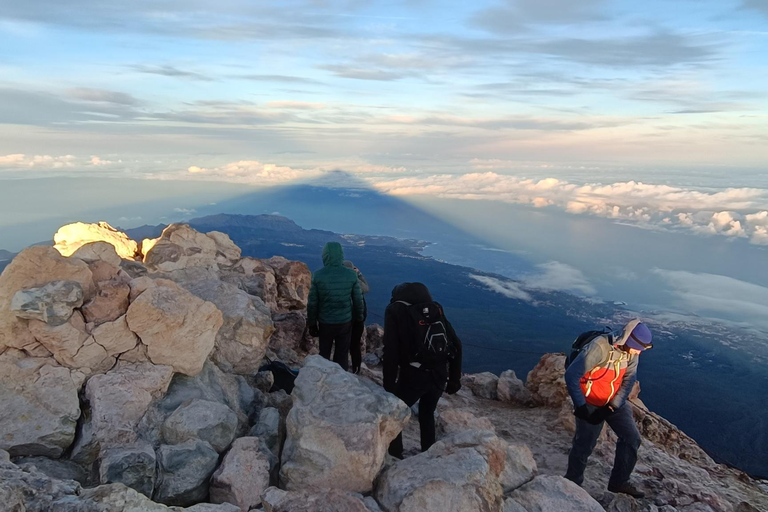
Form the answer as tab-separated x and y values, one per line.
624	336
413	293
333	254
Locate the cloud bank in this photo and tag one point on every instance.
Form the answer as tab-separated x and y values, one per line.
553	276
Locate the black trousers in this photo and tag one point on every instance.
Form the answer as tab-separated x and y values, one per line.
355	345
337	337
426	387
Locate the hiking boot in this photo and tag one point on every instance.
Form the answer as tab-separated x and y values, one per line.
627	488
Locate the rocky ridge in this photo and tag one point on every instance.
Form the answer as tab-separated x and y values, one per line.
129	382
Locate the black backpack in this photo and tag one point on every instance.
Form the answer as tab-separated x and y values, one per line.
584	339
431	343
284	375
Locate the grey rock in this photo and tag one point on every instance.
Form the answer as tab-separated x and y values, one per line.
270	428
483	384
264	380
58	469
247	470
338	429
201	419
374	340
185	470
371	359
210	507
511	389
313	500
468	471
52	303
133	466
39	404
547	493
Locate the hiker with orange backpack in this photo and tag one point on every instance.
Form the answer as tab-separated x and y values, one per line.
599	380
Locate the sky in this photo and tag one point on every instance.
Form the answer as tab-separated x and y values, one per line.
652	113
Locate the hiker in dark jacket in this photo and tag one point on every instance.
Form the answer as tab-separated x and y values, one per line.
599	381
358	326
408	379
335	300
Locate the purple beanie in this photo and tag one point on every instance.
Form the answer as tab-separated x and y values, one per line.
640	337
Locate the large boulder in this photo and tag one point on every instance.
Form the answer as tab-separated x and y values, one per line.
178	328
256	278
546	381
316	500
35	267
131	465
115	337
212	385
452	421
293	280
120	398
549	493
99	252
209	421
109	303
52	303
468	471
246	472
338	429
68	239
71	345
242	340
270	428
227	253
290	337
39	405
511	389
180	247
185	471
481	384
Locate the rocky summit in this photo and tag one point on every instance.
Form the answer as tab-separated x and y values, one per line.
129	381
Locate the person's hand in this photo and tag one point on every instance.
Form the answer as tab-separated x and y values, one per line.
453	387
600	415
313	330
582	412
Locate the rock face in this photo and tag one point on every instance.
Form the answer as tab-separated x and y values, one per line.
109	303
293	280
52	303
338	429
481	384
452	421
227	253
246	472
119	399
72	237
133	466
374	340
511	389
39	405
242	340
35	267
184	472
178	328
469	471
325	500
547	493
201	419
98	251
71	345
546	381
180	247
256	278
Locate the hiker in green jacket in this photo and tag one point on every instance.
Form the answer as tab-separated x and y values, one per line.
335	300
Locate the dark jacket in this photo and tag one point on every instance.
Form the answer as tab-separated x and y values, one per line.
334	295
399	333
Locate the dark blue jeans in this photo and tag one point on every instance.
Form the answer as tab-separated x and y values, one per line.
623	424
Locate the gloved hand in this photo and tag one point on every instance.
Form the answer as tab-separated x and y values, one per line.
313	330
582	412
453	387
600	415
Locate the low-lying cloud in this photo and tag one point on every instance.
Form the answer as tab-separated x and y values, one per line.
553	276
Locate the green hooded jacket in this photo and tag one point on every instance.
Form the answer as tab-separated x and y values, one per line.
334	296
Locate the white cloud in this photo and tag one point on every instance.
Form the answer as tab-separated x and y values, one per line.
556	276
252	172
19	160
553	276
95	160
510	289
729	212
716	295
